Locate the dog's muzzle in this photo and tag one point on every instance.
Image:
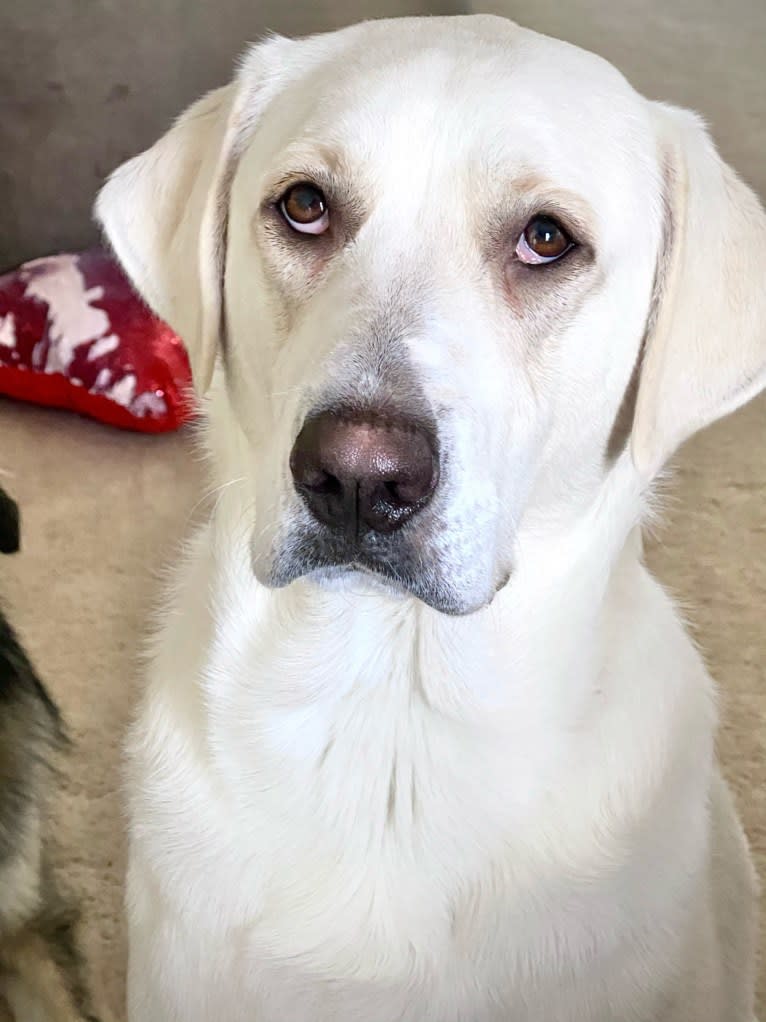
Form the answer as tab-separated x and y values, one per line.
373	488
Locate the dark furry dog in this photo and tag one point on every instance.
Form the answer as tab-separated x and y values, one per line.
41	974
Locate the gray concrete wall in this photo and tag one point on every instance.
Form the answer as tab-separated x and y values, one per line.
86	83
709	55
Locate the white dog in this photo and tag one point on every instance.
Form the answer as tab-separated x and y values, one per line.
423	741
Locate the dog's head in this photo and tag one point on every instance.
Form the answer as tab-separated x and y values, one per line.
455	271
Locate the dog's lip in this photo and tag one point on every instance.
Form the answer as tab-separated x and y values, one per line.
357	568
355	560
404	564
396	588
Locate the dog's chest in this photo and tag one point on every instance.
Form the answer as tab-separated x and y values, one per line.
374	879
356	863
372	818
359	827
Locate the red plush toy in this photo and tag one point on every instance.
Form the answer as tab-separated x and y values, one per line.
74	334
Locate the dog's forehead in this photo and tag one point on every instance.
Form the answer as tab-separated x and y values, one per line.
480	94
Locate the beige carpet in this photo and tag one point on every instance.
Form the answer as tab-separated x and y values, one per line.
102	510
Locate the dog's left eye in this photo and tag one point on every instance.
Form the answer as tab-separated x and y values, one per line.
543	240
305	209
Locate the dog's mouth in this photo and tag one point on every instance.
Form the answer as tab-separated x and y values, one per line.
344	576
404	564
400	564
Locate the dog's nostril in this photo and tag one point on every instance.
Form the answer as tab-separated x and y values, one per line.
408	491
358	473
392	490
323	483
403	494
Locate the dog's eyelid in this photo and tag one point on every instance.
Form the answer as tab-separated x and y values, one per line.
580	233
569	209
320	177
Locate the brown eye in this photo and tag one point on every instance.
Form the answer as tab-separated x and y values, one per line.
543	241
304	207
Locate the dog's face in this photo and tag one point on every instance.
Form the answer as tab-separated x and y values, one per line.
452	271
459	275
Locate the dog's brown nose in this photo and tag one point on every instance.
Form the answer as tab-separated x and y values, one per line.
362	473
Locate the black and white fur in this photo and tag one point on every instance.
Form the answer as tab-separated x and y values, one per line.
41	973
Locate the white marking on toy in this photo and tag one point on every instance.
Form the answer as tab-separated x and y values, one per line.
7	331
149	403
123	391
103	347
72	320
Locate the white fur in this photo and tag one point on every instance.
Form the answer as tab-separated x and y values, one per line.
346	806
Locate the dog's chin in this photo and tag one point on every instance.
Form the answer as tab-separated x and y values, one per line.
356	581
359	580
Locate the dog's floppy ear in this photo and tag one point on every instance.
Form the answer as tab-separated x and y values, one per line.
10	530
165	211
152	210
705	352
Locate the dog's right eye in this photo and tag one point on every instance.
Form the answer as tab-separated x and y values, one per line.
304	208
